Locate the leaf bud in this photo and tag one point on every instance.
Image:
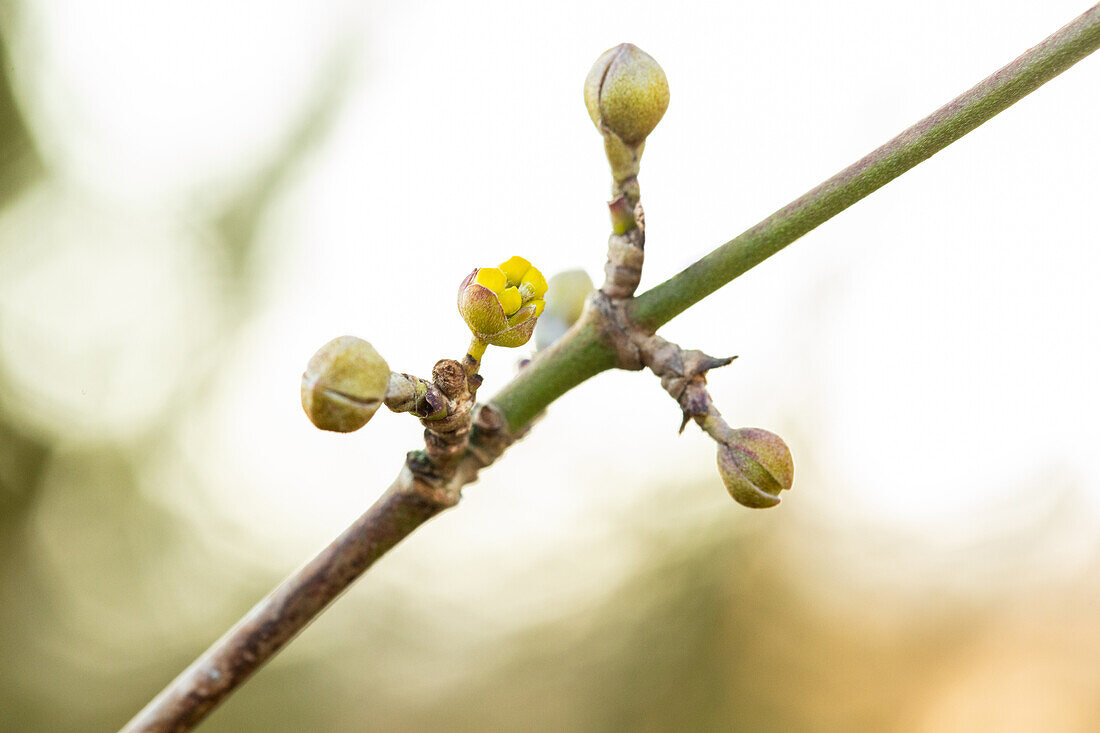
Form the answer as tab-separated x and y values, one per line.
344	384
626	93
755	465
502	304
564	304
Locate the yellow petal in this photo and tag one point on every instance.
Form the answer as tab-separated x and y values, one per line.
492	278
539	304
514	269
534	284
510	300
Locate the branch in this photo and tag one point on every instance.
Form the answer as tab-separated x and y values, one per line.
593	345
935	132
289	608
552	376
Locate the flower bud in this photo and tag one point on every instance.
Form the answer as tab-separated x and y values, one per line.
755	466
564	304
502	304
626	93
344	384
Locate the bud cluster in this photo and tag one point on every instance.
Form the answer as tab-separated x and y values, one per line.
346	381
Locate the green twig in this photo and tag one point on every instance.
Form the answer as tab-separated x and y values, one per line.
580	354
921	141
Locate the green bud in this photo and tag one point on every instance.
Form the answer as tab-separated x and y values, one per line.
626	93
564	304
755	466
344	384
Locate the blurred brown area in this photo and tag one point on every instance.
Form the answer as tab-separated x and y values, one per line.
106	591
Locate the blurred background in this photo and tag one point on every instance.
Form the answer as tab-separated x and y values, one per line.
195	196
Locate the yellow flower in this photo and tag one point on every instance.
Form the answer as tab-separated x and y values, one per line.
501	304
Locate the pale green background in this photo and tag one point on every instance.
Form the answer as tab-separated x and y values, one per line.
195	196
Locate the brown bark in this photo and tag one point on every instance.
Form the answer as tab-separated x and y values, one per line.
276	620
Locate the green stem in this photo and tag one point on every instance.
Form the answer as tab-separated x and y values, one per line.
579	354
472	362
476	349
1039	65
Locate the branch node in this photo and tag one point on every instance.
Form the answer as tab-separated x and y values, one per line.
618	331
683	374
450	377
623	270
